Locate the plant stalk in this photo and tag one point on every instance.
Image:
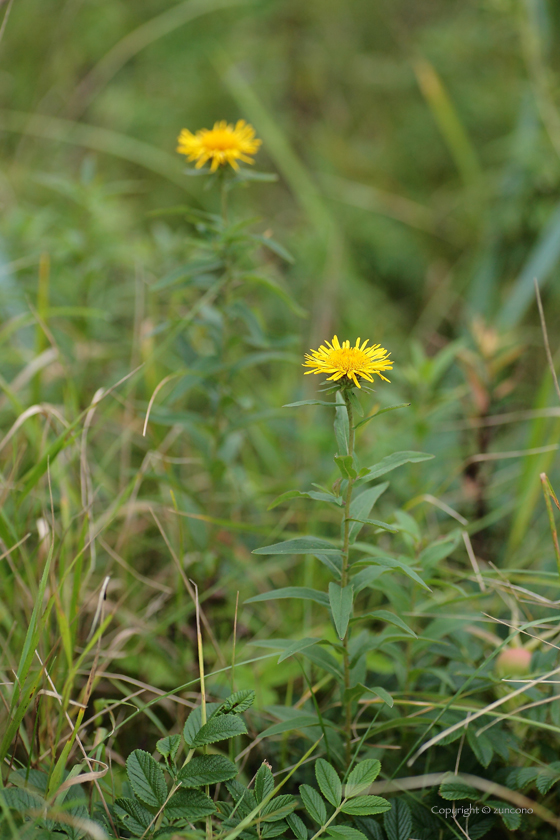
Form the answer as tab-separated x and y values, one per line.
344	580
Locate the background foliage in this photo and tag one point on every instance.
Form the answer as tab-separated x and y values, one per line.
417	149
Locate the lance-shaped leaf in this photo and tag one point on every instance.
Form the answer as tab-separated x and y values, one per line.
303	593
345	464
309	402
392	563
341	601
360	507
391	462
381	411
341	425
358	690
311	494
299	545
391	618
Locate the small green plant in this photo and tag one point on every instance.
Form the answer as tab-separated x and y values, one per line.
344	364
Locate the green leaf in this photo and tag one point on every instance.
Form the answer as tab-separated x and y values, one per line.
277	290
194	722
391	462
206	770
264	782
377	523
168	747
398	821
303	593
297	647
133	816
299	545
341	602
358	690
309	402
146	778
345	464
238	702
302	722
341	425
365	806
371	828
362	776
278	808
391	563
298	826
311	494
189	805
391	618
368	577
455	788
345	832
481	746
274	246
313	804
438	550
328	781
506	811
380	412
219	729
360	507
548	777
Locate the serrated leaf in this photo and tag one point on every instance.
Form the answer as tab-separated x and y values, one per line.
299	545
391	618
313	804
398	821
365	806
345	832
361	506
391	462
264	782
371	828
194	722
506	811
481	746
547	777
206	770
345	464
219	729
273	829
133	815
146	778
21	799
328	781
303	593
169	746
380	412
239	701
362	776
189	805
341	601
278	808
457	789
298	826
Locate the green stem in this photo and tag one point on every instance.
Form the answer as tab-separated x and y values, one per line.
344	579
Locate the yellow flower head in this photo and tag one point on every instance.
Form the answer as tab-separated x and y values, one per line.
341	360
222	144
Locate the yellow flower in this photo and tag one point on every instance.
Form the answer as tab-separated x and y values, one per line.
222	144
341	360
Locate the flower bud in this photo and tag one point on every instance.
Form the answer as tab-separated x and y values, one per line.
513	662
